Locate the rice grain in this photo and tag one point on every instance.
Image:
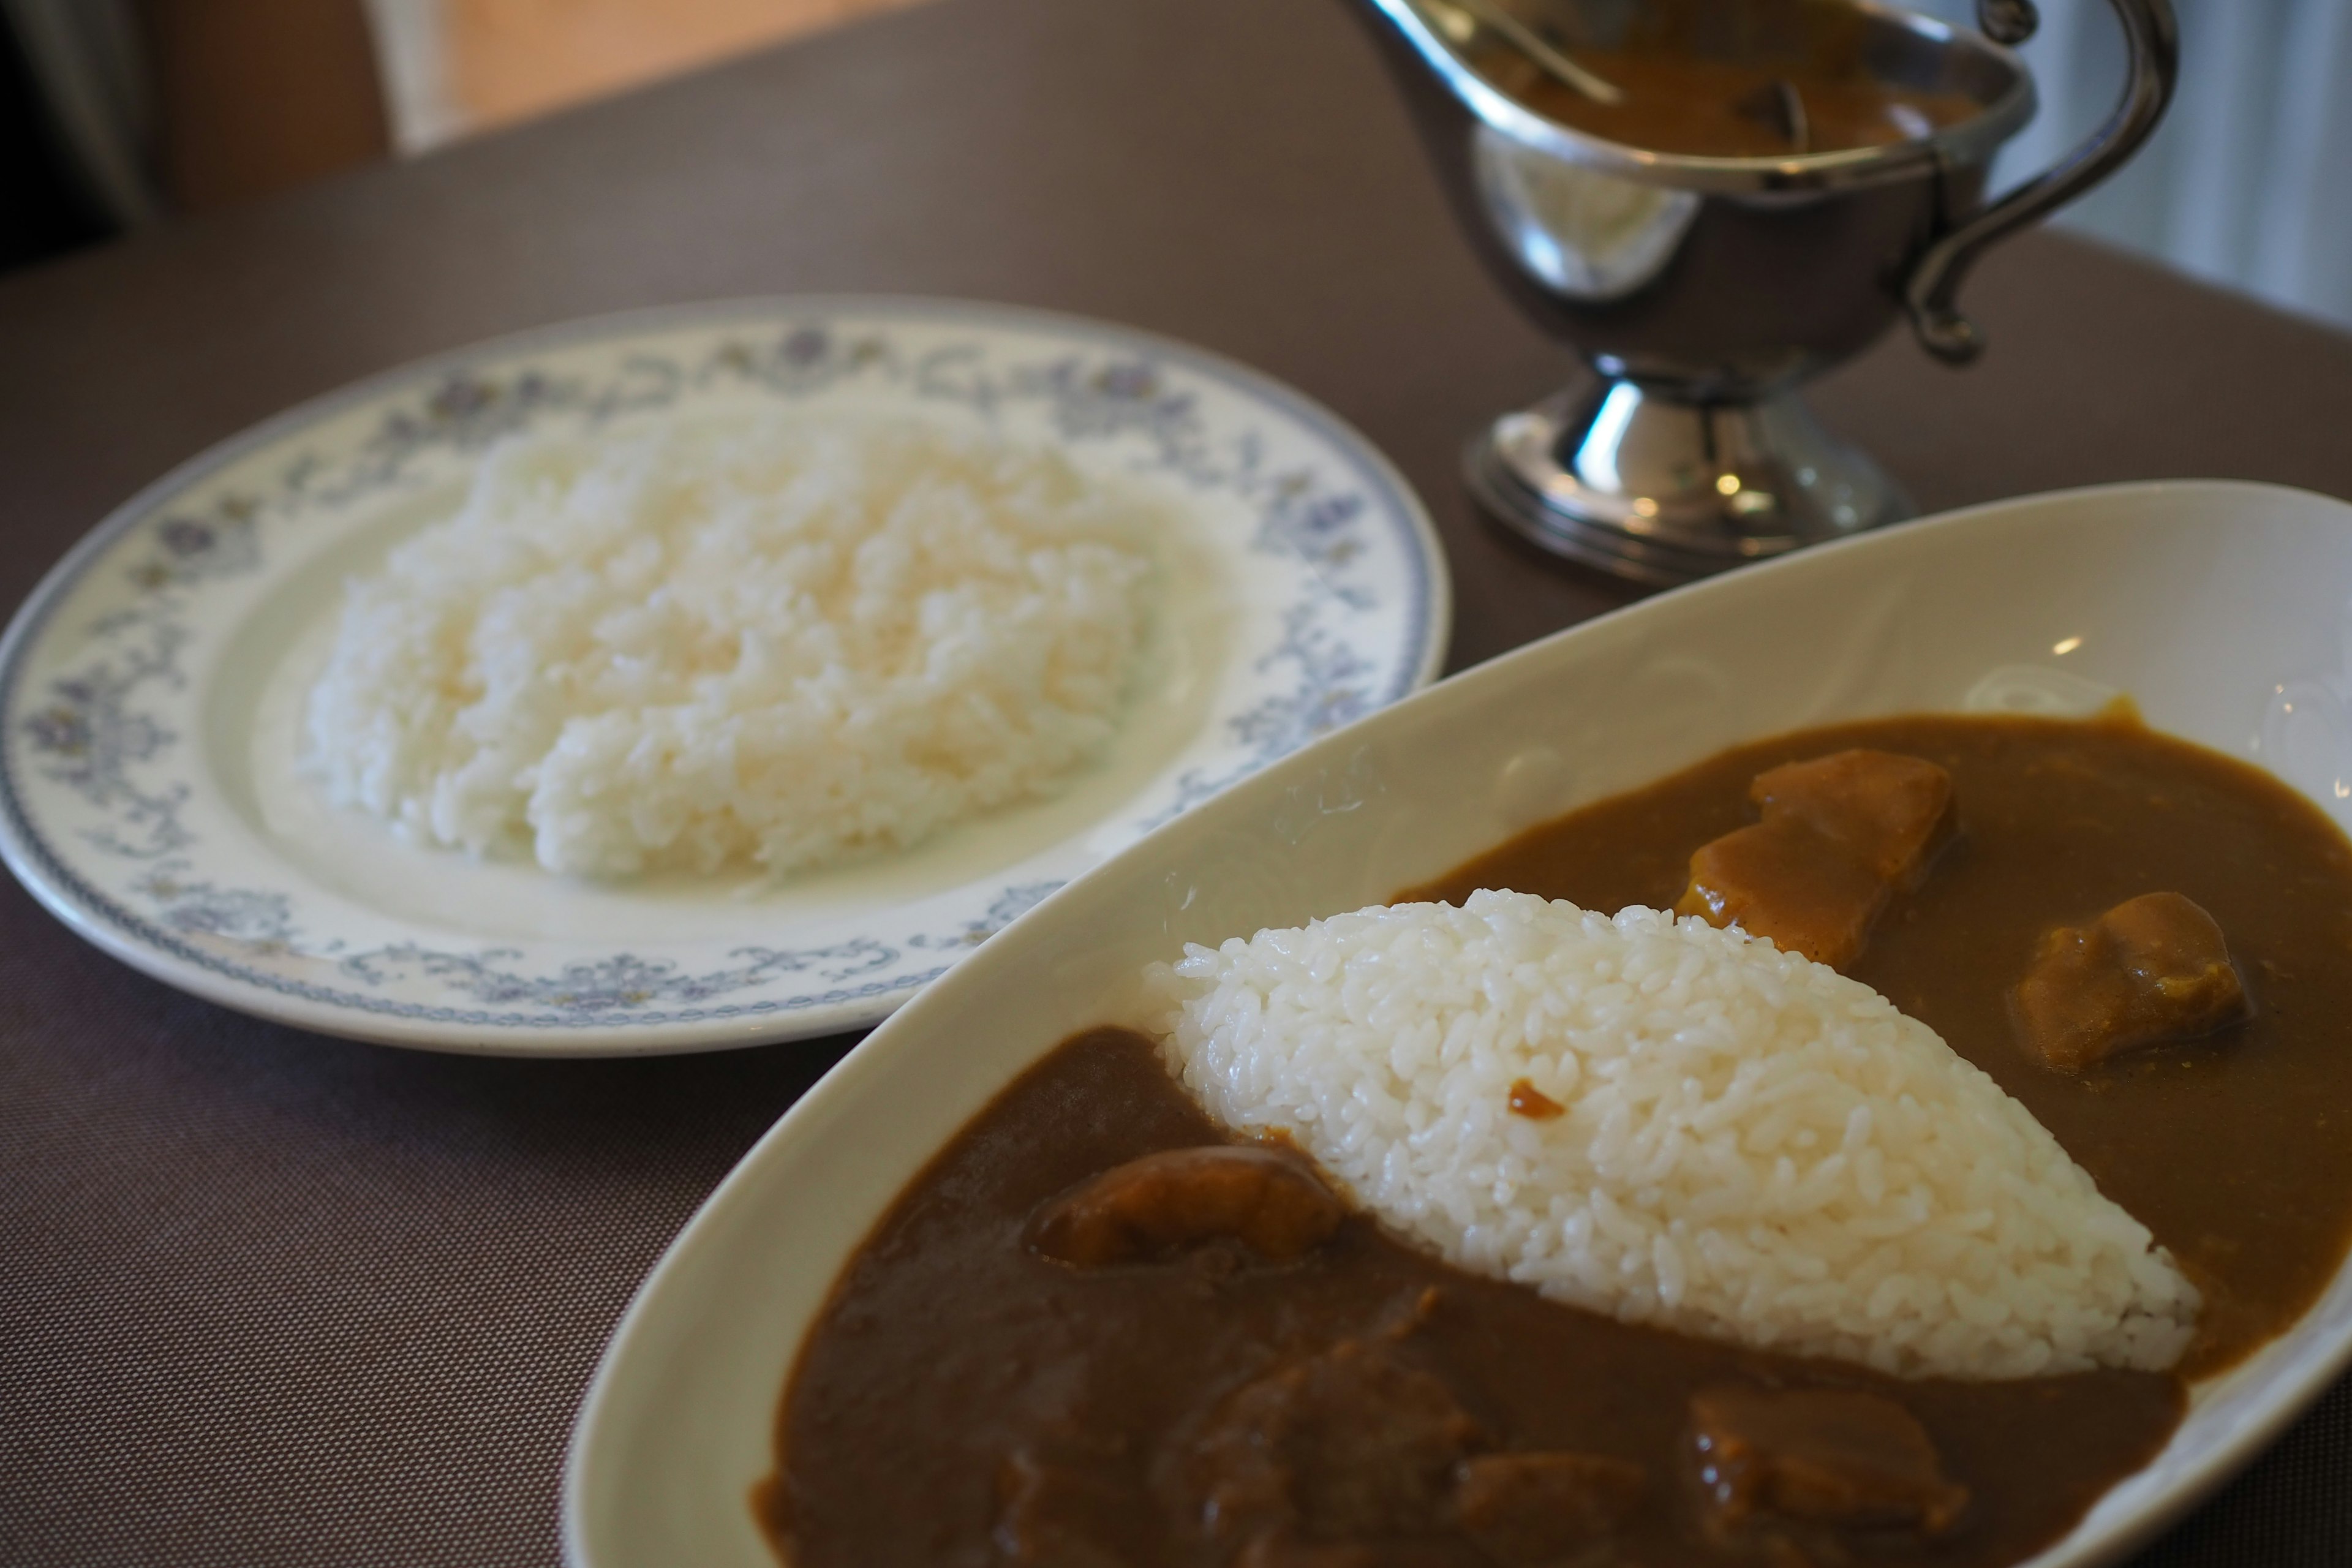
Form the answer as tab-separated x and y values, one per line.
1751	1146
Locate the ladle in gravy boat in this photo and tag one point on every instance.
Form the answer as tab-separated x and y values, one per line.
1524	38
1702	290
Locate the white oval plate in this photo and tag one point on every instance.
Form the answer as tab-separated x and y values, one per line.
152	687
2222	608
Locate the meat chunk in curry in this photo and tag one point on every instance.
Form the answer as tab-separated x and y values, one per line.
1819	1455
1891	813
1840	834
1266	1201
1544	1506
1355	1443
2151	969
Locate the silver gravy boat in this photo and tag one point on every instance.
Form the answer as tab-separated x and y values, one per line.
1702	290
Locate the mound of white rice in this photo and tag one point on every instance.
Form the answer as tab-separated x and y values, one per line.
1751	1146
763	640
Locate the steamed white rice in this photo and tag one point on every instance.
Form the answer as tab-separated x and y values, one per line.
1753	1147
765	641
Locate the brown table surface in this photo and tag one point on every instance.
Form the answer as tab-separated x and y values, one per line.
268	1298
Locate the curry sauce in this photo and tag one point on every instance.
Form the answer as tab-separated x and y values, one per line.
1733	109
963	1400
1037	1359
1734	79
2235	1150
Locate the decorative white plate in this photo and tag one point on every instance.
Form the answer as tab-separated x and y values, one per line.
151	687
2225	610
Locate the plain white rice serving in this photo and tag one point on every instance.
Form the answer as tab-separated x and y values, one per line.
763	640
1751	1146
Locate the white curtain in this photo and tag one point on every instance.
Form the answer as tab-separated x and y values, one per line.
2249	180
411	59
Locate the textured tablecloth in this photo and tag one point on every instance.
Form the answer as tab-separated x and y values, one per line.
271	1299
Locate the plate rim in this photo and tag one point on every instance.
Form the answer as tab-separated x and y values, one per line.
833	1092
57	889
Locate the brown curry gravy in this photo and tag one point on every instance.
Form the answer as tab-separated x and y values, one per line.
1701	78
2235	1151
948	1350
1722	108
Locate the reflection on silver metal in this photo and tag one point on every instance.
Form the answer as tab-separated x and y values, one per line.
1582	234
1661	492
1703	290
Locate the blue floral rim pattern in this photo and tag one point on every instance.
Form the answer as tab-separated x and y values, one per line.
94	733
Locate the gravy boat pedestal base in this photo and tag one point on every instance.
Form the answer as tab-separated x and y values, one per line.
1658	490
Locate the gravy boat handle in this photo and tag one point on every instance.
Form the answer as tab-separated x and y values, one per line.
2152	39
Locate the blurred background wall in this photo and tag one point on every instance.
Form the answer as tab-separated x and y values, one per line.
463	66
2247	183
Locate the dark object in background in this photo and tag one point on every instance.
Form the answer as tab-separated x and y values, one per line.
255	96
116	112
44	209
